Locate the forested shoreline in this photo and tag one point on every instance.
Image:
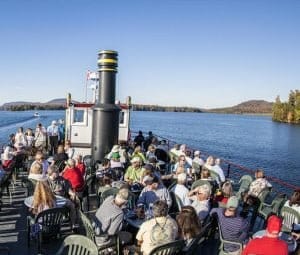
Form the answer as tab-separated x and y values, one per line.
288	112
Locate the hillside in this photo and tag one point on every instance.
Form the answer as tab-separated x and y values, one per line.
251	106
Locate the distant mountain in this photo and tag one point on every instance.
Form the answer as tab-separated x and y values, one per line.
60	101
251	106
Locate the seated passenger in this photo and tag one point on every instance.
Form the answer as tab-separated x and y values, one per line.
73	175
43	197
134	172
36	173
68	149
209	163
61	187
181	190
217	169
154	191
233	227
138	153
294	203
159	230
80	165
200	196
226	193
269	244
197	158
256	187
115	160
39	158
110	215
183	164
7	157
189	225
60	155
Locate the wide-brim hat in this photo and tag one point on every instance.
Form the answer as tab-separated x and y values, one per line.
135	159
115	148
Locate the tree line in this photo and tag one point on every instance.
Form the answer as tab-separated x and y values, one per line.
289	111
28	107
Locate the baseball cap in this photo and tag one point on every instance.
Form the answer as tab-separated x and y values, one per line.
232	202
274	224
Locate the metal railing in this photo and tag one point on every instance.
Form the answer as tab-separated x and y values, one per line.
235	171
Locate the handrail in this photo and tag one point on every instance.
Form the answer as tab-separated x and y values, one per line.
230	164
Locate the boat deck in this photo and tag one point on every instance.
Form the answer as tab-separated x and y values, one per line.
13	229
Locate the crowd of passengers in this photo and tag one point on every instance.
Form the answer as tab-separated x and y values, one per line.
157	177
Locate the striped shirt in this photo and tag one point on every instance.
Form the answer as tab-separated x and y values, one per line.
234	228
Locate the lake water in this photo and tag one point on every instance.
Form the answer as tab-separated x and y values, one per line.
251	141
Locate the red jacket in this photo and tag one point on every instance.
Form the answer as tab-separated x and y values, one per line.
266	246
74	176
81	167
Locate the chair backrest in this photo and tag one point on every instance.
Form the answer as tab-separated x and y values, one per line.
214	175
263	195
244	182
87	225
78	245
197	243
196	166
51	220
172	248
60	163
200	183
29	185
176	203
290	216
277	203
224	242
107	193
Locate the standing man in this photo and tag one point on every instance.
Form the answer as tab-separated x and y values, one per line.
53	137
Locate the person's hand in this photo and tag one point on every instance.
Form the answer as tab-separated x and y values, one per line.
296	235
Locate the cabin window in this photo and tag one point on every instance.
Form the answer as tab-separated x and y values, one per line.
122	118
78	116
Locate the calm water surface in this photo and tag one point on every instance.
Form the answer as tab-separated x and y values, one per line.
251	141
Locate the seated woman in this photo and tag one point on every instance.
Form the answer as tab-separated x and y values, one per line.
294	203
43	197
138	153
188	223
36	173
225	194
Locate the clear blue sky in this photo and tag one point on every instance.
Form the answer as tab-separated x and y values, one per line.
186	53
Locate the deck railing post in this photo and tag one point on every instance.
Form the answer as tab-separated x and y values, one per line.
228	171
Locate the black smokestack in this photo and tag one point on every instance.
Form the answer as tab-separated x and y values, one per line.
105	113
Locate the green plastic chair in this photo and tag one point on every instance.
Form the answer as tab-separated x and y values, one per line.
110	192
265	209
172	248
197	243
90	233
290	216
223	242
77	245
244	184
49	222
